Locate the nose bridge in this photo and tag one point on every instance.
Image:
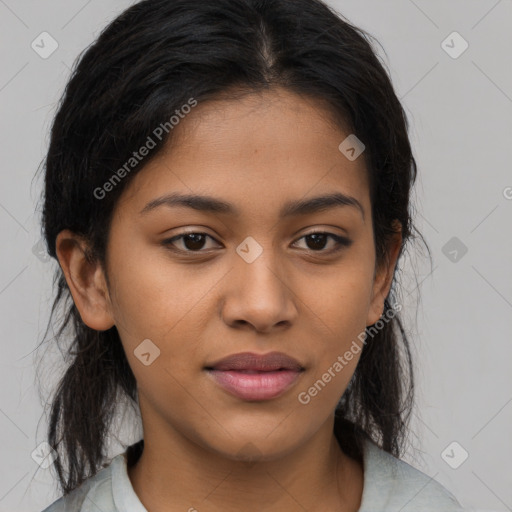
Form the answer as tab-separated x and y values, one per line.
259	293
256	268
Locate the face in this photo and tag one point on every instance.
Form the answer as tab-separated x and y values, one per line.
244	273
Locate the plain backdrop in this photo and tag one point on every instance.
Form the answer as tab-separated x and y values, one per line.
459	104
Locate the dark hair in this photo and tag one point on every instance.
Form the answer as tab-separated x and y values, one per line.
150	61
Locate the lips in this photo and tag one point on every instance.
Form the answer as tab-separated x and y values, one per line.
249	361
253	377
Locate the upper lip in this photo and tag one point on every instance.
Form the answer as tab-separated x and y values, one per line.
251	361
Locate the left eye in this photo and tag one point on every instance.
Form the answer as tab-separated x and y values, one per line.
317	241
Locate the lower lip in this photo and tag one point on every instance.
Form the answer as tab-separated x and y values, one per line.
255	386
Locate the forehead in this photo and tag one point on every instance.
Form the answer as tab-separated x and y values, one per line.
255	149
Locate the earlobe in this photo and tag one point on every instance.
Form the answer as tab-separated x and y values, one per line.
384	277
86	281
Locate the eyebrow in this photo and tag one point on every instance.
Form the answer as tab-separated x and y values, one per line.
290	209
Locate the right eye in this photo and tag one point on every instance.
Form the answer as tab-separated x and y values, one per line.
191	241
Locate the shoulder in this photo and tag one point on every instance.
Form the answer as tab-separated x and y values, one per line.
392	484
92	495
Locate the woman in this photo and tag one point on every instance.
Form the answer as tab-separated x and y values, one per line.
227	195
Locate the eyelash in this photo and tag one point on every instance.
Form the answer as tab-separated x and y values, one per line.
341	242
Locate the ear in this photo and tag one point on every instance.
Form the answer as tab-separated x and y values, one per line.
86	281
384	276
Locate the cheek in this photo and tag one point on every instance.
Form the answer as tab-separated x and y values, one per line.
337	350
153	298
340	308
342	298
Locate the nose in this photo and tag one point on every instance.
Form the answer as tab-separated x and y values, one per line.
259	295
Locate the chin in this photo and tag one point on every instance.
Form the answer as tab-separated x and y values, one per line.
254	446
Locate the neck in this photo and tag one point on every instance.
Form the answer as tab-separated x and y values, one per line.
175	474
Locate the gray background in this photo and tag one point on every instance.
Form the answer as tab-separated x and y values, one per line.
460	110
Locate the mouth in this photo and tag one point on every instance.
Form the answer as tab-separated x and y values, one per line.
254	377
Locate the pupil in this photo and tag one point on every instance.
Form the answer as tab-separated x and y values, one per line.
316	237
195	239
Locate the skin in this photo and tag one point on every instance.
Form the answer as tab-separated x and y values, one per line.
204	448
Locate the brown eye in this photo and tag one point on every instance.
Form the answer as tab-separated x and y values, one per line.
317	241
190	242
